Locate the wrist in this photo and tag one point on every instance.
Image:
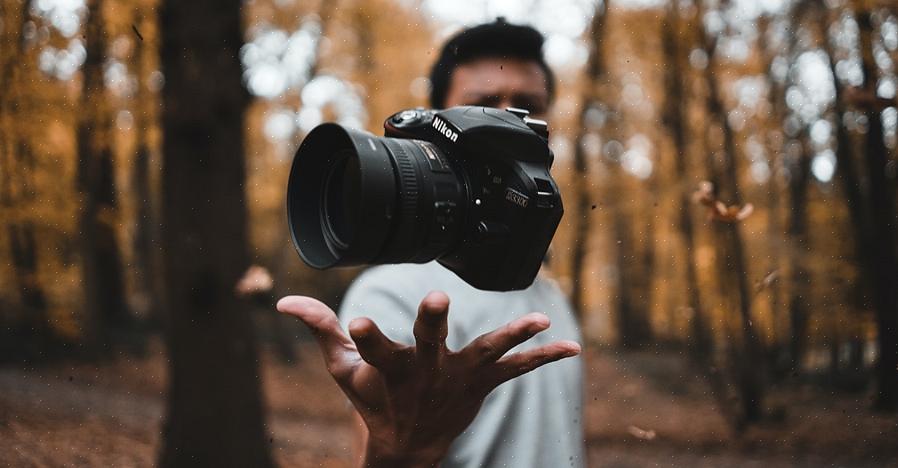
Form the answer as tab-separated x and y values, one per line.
378	457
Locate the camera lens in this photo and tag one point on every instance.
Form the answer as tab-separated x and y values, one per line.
355	199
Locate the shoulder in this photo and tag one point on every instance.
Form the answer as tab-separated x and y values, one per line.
547	287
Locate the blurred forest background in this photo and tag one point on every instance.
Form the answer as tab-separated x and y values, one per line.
729	172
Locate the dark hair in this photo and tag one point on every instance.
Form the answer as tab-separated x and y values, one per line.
489	40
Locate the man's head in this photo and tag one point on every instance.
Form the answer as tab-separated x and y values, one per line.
493	65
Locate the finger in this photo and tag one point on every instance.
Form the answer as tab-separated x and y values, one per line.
323	323
491	346
521	363
374	347
431	328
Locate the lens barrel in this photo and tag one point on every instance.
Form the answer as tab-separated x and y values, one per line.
354	198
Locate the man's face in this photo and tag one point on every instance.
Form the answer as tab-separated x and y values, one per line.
500	83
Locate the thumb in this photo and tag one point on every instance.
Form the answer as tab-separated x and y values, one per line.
321	320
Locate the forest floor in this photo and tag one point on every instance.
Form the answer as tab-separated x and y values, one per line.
642	409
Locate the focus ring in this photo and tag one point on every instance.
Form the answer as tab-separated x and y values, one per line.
409	191
408	180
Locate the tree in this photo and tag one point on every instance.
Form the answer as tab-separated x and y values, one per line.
747	354
881	199
776	144
145	242
215	413
17	184
634	264
102	276
870	196
590	102
675	117
633	259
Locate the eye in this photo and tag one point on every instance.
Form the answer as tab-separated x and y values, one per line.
533	104
485	101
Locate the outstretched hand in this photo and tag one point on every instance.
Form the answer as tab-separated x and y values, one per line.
415	400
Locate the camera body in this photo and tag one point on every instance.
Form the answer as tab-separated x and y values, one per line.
514	205
468	186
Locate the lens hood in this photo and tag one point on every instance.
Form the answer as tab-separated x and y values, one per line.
340	197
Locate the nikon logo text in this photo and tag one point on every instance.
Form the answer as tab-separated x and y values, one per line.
441	127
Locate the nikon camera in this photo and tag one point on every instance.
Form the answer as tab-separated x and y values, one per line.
467	186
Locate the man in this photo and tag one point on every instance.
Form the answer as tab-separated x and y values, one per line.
423	404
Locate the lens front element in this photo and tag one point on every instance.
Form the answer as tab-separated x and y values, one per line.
342	195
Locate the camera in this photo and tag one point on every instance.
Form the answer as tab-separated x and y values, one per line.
468	186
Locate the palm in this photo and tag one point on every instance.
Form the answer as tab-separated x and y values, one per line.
420	397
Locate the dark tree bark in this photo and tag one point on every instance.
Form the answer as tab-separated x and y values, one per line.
747	354
583	204
215	415
882	190
102	276
849	178
23	248
871	208
799	252
634	270
146	235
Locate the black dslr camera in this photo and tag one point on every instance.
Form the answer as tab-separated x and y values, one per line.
468	186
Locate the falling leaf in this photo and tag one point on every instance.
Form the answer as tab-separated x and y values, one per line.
641	433
718	210
766	281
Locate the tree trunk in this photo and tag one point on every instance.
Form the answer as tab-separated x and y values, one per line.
747	352
23	246
871	207
776	145
634	271
799	252
17	191
882	190
583	204
675	119
847	174
215	415
701	343
634	267
102	276
145	243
